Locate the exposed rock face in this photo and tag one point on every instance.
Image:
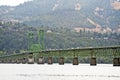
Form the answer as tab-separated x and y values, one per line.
116	5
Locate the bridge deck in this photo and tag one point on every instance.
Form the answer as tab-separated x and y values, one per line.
75	54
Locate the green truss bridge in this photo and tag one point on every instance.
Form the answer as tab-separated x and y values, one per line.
75	56
37	54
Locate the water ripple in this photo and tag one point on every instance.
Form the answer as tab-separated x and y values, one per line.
62	75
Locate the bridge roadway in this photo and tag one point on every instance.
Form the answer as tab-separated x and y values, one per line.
91	55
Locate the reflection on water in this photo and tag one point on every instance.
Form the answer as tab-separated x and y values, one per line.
48	75
59	72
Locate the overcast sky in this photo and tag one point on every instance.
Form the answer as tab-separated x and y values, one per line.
12	2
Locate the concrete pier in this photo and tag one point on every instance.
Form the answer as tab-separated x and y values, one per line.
75	61
8	61
4	61
0	61
24	61
30	60
40	60
116	62
119	61
50	60
93	62
18	61
13	61
61	60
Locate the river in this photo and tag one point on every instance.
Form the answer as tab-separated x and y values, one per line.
59	72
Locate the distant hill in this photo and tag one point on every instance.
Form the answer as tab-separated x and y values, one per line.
65	13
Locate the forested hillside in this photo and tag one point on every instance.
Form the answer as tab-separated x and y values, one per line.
67	24
14	38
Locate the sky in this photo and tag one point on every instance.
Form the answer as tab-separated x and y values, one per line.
12	2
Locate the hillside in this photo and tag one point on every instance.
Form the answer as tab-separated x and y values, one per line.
65	13
14	38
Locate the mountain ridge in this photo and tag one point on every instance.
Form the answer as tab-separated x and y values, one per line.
64	13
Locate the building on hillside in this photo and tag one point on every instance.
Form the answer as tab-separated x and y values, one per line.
97	29
49	31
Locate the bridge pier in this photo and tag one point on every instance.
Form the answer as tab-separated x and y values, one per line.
50	60
116	62
30	60
40	60
93	62
8	61
24	61
75	61
13	61
0	61
119	61
18	61
61	60
4	61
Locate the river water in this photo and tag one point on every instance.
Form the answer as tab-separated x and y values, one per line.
59	72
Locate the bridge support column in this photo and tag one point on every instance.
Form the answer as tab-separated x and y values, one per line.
61	60
24	61
30	60
116	62
13	61
75	61
119	61
10	61
0	61
7	61
4	61
40	60
18	61
50	60
93	62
